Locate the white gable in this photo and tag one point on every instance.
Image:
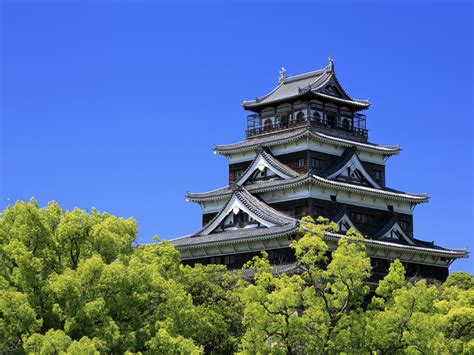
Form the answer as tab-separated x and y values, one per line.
396	232
260	164
345	224
233	208
353	168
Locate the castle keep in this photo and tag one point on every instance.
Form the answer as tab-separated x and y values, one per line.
307	152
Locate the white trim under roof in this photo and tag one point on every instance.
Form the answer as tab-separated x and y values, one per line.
234	206
260	163
354	164
346	221
396	231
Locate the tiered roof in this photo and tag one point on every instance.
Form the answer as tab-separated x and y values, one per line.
326	179
321	84
294	135
270	224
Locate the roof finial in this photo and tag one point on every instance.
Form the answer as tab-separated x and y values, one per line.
330	63
282	74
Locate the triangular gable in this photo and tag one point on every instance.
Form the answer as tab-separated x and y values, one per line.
396	232
232	208
345	224
263	164
354	169
333	88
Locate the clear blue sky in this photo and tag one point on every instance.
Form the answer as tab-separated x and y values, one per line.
117	105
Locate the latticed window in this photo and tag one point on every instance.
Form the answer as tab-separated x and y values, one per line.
300	211
363	218
268	124
300	117
316	164
345	124
238	173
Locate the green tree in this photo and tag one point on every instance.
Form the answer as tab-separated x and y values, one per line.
72	282
313	311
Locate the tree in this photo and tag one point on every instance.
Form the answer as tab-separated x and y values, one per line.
72	282
312	311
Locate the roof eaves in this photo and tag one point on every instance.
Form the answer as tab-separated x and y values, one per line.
287	231
457	253
298	134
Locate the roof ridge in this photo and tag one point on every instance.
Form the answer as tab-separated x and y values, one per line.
385	228
340	162
302	76
278	164
262	206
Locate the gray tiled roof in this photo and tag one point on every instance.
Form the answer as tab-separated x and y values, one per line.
272	185
341	161
284	268
253	234
293	135
255	206
233	236
298	85
270	159
256	187
262	210
434	250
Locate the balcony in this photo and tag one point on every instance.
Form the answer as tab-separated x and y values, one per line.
328	120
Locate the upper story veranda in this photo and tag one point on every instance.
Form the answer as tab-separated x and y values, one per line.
315	99
320	116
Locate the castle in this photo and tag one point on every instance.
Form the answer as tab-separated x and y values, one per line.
307	152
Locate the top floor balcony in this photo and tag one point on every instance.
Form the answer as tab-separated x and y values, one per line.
323	118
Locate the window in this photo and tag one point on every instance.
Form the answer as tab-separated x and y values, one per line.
229	259
238	173
317	117
333	198
215	260
300	211
284	121
377	174
267	125
300	117
363	218
300	162
332	120
405	225
241	219
318	211
345	124
316	164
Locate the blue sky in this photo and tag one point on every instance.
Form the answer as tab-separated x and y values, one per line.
117	105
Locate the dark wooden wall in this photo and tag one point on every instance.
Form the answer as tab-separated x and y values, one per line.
326	161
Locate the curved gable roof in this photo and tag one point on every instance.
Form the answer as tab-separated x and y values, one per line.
259	210
266	159
318	83
349	160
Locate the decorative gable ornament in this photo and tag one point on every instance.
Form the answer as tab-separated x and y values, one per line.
345	224
353	168
265	160
397	233
236	209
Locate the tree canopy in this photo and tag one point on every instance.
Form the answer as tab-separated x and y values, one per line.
75	282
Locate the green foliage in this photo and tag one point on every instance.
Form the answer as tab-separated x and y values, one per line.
72	282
